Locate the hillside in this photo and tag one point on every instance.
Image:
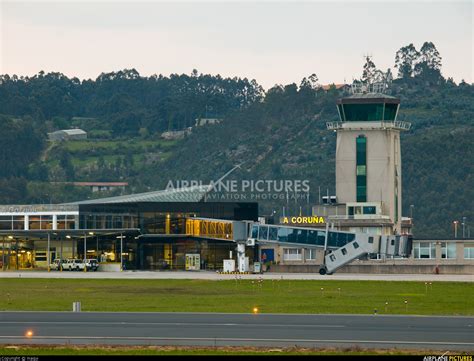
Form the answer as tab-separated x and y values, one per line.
278	135
285	138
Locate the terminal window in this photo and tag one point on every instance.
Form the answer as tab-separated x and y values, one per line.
263	233
40	222
424	250
273	234
310	254
6	222
448	250
468	252
292	254
369	210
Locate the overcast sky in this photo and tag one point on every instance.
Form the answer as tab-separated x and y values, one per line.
273	42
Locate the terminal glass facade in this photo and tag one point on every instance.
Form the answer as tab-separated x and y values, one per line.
12	222
162	218
40	222
162	255
169	231
210	229
152	235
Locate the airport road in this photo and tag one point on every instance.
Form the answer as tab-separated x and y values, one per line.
208	275
218	329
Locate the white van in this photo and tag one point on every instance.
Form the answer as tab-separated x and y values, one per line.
73	264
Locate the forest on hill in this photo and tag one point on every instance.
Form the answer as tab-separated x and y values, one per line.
277	134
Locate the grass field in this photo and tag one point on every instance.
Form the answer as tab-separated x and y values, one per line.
171	350
279	296
114	145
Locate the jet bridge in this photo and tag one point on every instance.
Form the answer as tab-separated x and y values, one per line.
363	244
340	247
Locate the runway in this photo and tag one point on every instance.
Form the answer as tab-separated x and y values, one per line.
219	329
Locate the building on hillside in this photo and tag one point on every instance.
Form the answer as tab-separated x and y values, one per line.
327	87
67	134
205	121
102	186
176	134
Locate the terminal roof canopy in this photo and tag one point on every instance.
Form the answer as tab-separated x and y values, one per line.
188	194
368	107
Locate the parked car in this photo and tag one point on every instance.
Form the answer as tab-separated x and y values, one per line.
73	264
92	264
56	264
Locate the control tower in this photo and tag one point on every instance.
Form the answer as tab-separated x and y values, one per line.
368	163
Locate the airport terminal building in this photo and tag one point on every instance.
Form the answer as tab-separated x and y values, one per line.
153	230
180	229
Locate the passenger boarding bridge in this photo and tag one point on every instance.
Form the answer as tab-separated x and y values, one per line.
340	248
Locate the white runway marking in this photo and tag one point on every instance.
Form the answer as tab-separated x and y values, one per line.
32	323
213	339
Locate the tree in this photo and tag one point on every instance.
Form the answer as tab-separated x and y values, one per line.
430	55
311	82
388	76
429	63
369	72
21	144
101	163
66	164
38	171
144	133
405	60
12	189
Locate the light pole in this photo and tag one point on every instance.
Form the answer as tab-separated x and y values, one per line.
121	250
3	254
455	228
48	258
85	252
61	258
463	227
